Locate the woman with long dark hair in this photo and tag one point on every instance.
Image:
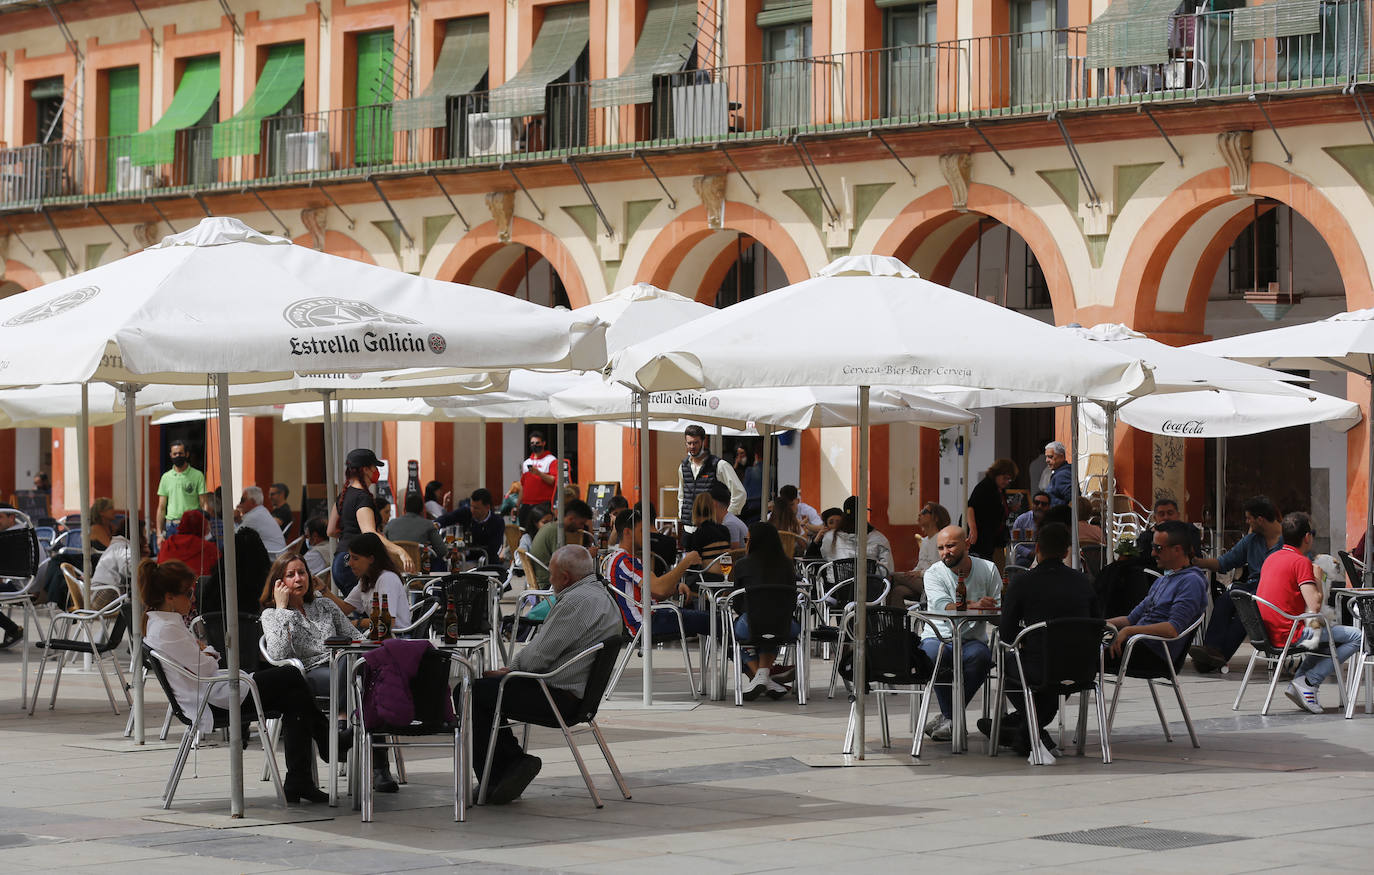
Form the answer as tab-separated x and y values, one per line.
769	579
353	514
167	593
372	565
985	518
842	542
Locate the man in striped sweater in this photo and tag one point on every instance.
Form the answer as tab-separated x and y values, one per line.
583	615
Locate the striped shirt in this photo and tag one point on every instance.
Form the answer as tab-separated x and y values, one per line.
583	616
627	573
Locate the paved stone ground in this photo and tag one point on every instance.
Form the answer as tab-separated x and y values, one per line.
722	789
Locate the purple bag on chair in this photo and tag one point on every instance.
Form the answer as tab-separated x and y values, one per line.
389	675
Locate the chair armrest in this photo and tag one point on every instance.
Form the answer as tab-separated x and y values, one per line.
415	622
932	623
545	675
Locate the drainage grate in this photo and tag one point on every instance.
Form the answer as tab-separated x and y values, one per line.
1139	838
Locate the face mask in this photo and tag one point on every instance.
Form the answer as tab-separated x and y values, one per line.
179	461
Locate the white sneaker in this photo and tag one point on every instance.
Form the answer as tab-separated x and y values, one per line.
756	685
774	689
943	731
1303	694
933	722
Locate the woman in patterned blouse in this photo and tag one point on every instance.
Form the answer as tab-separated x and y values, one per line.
298	616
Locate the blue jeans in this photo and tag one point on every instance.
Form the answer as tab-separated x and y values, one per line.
1317	668
693	623
341	574
742	633
977	660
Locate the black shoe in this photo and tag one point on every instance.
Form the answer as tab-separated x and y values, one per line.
382	782
1007	733
304	792
11	639
345	746
1206	659
513	781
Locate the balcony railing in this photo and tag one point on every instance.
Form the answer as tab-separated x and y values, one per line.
1006	76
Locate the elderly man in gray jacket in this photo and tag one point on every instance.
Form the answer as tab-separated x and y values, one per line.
583	615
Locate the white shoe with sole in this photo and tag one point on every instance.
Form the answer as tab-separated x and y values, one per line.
1303	694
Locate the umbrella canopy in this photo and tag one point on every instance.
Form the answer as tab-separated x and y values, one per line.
1344	342
223	298
58	406
312	387
1232	411
794	407
872	321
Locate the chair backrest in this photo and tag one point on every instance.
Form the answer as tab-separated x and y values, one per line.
76	585
890	648
154	665
250	630
19	555
1362	609
295	546
1247	610
411	549
1354	569
794	544
769	609
470	594
1011	572
599	677
513	533
1094	555
1063	655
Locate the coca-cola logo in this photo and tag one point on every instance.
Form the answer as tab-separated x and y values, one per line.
1183	427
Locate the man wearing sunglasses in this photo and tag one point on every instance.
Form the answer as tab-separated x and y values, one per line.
1174	603
1024	527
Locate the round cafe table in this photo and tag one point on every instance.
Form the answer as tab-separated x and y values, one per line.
958	621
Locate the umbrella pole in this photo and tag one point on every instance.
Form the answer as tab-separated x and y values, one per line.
329	459
1109	507
558	482
1369	481
861	578
1217	524
231	611
1073	494
132	533
646	627
766	494
967	433
83	467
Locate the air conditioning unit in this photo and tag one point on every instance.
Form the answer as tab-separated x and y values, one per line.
491	136
307	151
129	177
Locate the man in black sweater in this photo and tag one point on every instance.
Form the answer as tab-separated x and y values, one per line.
1049	591
485	527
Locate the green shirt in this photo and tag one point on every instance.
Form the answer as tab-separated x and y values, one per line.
183	490
541	548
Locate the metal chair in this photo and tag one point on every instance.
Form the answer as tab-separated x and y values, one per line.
637	640
160	665
599	680
1070	662
892	659
1173	665
85	623
20	556
395	738
1362	609
1247	609
772	629
839	634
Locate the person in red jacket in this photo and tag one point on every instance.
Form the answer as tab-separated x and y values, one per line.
537	475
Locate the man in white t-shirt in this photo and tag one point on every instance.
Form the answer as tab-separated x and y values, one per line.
255	516
805	513
983	589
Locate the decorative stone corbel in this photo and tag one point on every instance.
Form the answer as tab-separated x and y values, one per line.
146	234
711	190
957	168
502	207
1237	151
316	221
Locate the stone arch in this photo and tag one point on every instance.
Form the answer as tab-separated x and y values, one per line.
475	248
338	243
1138	291
935	209
682	235
21	275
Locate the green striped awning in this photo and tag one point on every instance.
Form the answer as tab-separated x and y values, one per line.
46	89
1275	19
198	89
461	65
562	38
665	44
283	74
1131	33
779	12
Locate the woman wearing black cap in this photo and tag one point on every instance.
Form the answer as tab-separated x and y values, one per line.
353	514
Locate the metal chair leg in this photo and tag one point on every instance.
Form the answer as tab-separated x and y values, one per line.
1245	681
610	760
1159	709
1269	694
1103	728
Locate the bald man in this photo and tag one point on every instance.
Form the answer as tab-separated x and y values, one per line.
983	585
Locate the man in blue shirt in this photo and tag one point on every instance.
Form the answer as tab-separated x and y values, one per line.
1174	603
1061	473
1225	633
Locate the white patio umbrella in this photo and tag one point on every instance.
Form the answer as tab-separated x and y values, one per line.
223	299
1343	343
870	320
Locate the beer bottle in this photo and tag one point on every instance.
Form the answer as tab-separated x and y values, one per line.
451	623
961	595
375	618
386	623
